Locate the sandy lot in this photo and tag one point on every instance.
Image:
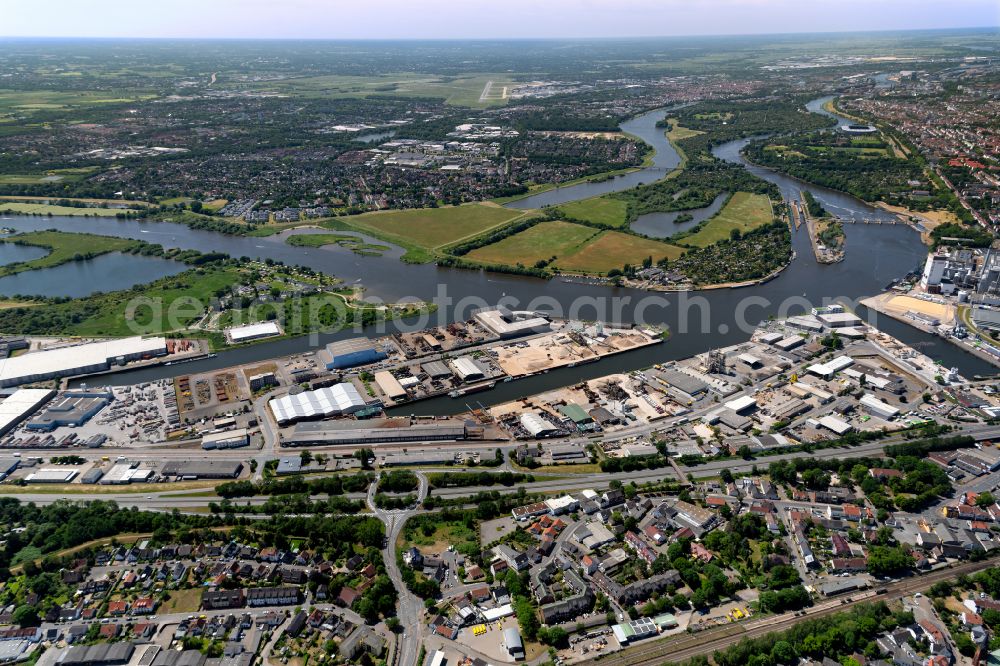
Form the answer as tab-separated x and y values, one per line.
903	304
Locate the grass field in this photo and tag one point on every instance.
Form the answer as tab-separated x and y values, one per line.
20	103
354	243
464	90
428	228
200	285
600	210
63	247
542	241
613	249
53	176
182	601
744	211
50	209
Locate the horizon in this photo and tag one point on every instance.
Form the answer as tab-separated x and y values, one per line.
539	38
445	20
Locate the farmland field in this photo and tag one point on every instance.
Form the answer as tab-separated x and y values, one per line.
600	210
744	211
539	242
430	228
51	209
613	249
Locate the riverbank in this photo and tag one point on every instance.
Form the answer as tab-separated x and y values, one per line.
928	220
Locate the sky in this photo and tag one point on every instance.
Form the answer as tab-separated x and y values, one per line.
475	19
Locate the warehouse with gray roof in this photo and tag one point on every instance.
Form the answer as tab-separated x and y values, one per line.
374	431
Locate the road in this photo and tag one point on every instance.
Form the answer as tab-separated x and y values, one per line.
410	606
687	646
162	497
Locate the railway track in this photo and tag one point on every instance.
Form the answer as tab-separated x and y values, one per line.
687	646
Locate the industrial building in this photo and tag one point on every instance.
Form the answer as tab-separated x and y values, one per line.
876	407
336	400
805	323
467	369
835	425
436	369
436	457
21	404
840	319
389	385
124	474
267	329
230	439
512	642
289	465
374	431
505	324
71	409
830	368
52	475
684	383
790	343
350	353
8	466
77	359
203	469
262	380
575	413
537	426
742	404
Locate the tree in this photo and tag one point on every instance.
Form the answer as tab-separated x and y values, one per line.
783	652
364	455
985	499
26	616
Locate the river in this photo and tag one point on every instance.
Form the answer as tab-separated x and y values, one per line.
698	321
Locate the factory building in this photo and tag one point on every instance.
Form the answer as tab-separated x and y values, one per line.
78	359
71	409
790	343
742	404
374	431
230	439
690	386
835	425
467	369
124	474
876	407
336	400
830	368
840	319
350	353
389	385
504	323
267	329
52	475
436	369
537	426
21	404
203	469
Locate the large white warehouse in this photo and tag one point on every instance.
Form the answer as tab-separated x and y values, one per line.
77	359
333	400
